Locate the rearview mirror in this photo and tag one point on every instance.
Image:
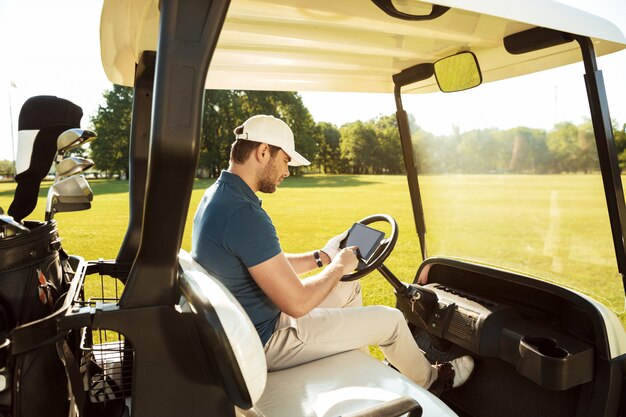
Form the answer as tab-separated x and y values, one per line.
458	72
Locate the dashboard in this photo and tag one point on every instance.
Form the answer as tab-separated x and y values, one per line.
502	319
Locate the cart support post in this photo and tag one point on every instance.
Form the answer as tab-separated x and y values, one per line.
607	154
139	144
411	172
189	30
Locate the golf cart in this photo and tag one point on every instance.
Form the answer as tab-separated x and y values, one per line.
540	347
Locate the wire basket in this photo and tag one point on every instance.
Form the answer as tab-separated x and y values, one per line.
107	357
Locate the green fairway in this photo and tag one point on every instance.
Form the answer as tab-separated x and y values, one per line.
308	210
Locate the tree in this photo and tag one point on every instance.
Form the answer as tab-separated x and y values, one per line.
287	106
525	150
425	150
587	155
478	152
291	109
7	169
222	113
112	124
329	152
620	143
224	110
359	146
389	158
573	147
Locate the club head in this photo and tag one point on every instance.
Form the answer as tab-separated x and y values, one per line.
73	138
9	227
65	207
69	191
72	166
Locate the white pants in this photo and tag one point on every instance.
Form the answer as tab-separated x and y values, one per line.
340	323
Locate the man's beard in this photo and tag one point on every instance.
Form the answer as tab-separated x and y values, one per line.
267	180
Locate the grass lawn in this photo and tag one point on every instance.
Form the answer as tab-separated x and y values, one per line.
308	210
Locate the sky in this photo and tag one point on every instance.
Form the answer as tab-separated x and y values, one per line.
52	47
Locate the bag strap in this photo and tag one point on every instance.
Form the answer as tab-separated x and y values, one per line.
73	374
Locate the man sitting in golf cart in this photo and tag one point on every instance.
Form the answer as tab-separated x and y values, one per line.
298	320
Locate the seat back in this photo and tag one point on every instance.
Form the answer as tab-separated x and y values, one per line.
228	335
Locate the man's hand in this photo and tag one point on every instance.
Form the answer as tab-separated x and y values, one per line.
295	296
332	247
346	259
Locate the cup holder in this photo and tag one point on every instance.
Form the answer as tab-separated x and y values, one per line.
549	364
545	346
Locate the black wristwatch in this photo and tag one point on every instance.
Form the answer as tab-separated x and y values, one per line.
318	260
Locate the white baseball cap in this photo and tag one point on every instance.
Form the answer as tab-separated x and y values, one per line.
268	129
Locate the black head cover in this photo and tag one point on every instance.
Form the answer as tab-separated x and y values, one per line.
42	119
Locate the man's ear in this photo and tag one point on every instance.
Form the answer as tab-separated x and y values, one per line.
262	152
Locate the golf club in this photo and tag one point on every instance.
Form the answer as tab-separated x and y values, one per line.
9	227
73	138
69	194
66	207
71	166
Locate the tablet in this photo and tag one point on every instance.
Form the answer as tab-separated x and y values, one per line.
366	238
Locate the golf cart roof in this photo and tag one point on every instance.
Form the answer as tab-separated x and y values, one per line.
352	45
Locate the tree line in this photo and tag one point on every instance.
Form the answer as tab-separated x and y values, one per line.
566	148
360	147
370	147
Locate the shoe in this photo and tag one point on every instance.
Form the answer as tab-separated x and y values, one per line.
463	368
454	373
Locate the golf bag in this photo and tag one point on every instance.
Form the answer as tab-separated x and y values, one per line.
32	280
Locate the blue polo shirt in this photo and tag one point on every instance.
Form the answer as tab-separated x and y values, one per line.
231	233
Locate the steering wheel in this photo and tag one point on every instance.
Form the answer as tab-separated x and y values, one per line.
381	252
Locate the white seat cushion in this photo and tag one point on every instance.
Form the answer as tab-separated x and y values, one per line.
347	382
240	331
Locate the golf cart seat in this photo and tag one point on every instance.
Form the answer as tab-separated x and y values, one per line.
339	385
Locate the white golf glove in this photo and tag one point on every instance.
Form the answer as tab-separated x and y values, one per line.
332	247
